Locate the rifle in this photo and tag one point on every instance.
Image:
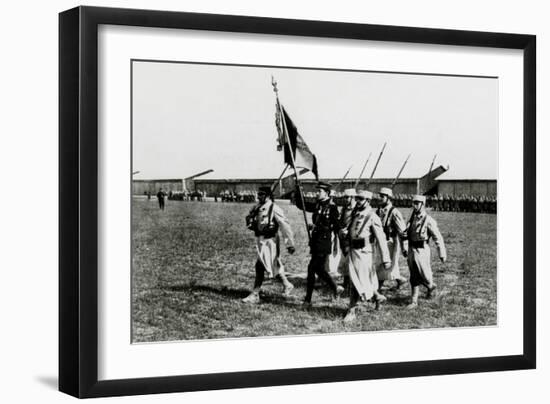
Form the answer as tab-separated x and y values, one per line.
362	171
400	171
343	178
376	165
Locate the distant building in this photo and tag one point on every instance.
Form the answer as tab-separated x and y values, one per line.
428	184
484	187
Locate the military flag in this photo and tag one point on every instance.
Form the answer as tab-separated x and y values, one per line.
293	144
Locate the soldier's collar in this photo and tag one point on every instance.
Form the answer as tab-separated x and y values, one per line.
362	208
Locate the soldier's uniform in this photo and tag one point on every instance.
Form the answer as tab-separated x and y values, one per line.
269	223
325	225
365	235
343	222
333	261
394	227
420	229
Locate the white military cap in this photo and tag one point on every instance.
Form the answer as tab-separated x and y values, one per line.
350	192
419	198
386	191
364	194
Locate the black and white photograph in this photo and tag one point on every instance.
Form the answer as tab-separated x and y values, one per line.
272	201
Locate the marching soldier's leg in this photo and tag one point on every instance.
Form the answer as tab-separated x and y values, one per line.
287	286
351	314
414	279
254	296
322	273
414	297
310	279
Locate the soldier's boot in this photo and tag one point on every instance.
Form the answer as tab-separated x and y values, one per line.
253	297
431	291
378	299
351	315
338	292
414	298
399	283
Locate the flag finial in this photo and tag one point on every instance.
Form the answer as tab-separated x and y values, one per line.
274	84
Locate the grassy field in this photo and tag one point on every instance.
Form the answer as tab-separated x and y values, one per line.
193	262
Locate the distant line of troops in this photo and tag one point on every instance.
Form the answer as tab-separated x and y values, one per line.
370	242
245	196
443	203
197	195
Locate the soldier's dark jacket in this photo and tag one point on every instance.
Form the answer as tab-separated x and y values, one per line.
325	223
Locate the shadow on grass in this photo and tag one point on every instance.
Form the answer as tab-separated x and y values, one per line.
291	301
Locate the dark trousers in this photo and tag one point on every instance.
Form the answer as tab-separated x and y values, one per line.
161	204
317	266
260	274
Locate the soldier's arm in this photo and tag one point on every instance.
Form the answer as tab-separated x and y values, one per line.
284	226
401	228
378	231
433	232
334	219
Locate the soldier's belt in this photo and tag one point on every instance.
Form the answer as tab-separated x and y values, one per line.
357	243
418	244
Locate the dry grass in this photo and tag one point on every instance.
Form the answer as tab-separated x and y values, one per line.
193	263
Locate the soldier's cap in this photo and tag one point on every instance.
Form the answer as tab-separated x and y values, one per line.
350	192
264	190
419	198
364	194
386	191
324	185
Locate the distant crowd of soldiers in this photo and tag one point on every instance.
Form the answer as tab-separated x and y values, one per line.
232	196
197	195
442	203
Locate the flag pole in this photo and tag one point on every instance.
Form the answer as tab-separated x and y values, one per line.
296	175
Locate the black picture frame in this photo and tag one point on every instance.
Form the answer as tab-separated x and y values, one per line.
78	201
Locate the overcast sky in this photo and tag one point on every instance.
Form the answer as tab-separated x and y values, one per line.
189	118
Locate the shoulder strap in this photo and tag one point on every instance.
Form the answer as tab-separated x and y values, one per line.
367	219
270	213
424	225
387	219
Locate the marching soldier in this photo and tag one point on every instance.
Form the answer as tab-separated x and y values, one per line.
325	223
394	227
267	220
365	232
420	229
334	257
344	221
